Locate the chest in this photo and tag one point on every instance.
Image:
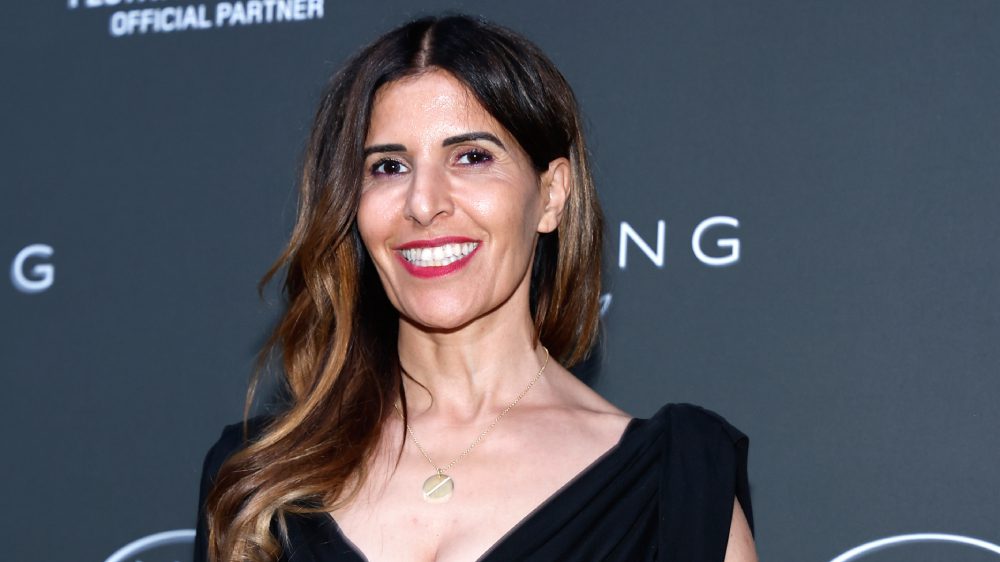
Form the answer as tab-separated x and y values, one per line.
494	491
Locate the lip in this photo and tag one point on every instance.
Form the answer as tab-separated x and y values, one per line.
435	242
435	271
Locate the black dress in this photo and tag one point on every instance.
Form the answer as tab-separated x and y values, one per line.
664	492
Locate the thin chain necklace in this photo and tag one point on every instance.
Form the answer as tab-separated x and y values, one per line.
439	487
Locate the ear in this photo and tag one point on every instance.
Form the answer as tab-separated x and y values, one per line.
556	183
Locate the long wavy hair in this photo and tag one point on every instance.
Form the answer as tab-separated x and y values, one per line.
337	339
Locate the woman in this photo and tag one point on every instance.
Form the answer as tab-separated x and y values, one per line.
443	273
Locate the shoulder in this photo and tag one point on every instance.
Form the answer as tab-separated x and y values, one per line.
580	411
232	439
697	438
706	442
704	476
697	422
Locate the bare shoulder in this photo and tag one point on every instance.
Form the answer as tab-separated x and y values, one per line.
586	410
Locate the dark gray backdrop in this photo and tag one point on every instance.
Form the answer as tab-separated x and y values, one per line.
857	144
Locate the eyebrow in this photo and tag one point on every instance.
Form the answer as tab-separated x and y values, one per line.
478	135
465	137
383	148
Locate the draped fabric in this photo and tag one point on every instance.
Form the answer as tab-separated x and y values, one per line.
663	493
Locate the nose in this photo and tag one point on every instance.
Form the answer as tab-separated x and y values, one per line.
429	195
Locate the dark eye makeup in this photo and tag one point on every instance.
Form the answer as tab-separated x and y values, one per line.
386	167
475	156
390	166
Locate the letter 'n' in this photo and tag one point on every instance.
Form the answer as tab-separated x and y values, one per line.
628	233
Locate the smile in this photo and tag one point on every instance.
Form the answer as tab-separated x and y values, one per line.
434	258
438	256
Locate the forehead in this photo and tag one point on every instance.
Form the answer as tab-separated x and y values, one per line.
431	104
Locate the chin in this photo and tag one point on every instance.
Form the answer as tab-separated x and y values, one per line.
441	319
437	323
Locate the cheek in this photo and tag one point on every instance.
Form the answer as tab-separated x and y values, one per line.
512	220
374	220
364	224
512	202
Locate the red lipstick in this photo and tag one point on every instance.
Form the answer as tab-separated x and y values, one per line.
435	271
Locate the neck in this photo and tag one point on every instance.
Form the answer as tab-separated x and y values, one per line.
470	373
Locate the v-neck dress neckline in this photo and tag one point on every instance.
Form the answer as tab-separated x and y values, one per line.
607	456
663	493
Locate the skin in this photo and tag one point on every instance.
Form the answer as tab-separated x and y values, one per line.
466	336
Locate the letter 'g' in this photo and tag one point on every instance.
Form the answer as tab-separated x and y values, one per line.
43	274
732	243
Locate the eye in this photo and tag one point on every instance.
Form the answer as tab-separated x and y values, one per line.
388	167
475	156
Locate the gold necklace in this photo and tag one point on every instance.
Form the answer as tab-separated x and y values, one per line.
440	486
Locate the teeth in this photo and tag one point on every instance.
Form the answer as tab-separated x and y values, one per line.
439	255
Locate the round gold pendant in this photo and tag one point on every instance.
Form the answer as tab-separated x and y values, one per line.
438	488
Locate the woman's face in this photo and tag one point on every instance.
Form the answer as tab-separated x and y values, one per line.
451	205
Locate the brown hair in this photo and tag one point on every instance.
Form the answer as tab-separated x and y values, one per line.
338	336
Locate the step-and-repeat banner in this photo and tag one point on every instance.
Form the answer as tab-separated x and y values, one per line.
803	204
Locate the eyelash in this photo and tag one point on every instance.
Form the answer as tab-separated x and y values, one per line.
380	162
485	156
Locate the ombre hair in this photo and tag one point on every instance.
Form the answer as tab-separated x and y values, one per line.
337	338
